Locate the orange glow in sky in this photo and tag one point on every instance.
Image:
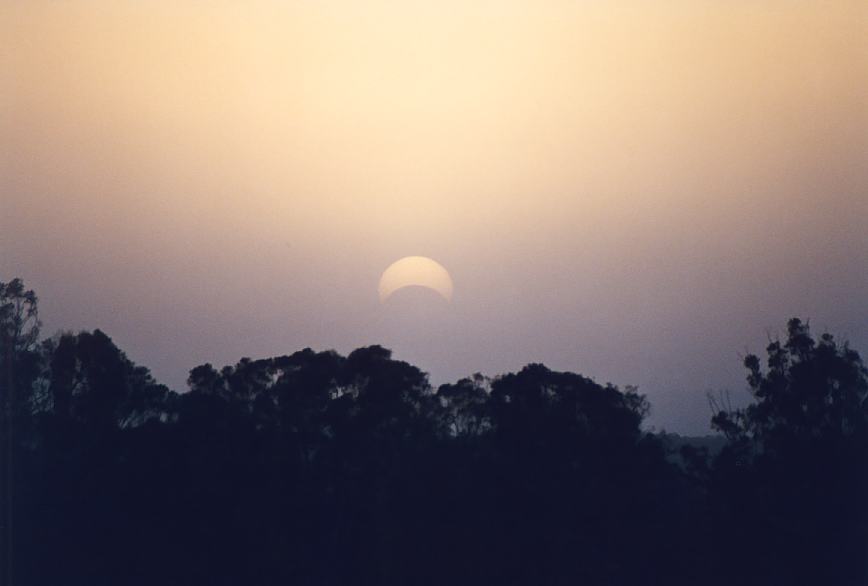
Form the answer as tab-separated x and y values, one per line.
633	190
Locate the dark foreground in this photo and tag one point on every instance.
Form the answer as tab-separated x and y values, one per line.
320	469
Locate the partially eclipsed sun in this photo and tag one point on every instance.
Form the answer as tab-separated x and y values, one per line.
420	271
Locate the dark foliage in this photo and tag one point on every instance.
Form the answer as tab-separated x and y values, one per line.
322	469
789	490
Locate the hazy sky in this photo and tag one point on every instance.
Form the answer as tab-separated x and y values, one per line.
638	191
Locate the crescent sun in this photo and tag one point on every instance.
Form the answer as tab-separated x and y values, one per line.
418	271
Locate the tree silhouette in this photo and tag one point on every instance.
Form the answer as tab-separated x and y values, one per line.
19	334
320	469
93	381
464	406
791	485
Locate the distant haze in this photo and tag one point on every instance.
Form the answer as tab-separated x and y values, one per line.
638	191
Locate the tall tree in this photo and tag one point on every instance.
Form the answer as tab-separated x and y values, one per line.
791	485
19	333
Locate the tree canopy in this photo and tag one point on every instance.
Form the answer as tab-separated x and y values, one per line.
323	469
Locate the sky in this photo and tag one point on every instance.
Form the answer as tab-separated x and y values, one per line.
642	192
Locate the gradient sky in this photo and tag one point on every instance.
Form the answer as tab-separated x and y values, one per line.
638	191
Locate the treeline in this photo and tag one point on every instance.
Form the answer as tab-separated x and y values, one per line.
322	469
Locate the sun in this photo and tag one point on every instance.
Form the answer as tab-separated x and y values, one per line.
418	271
